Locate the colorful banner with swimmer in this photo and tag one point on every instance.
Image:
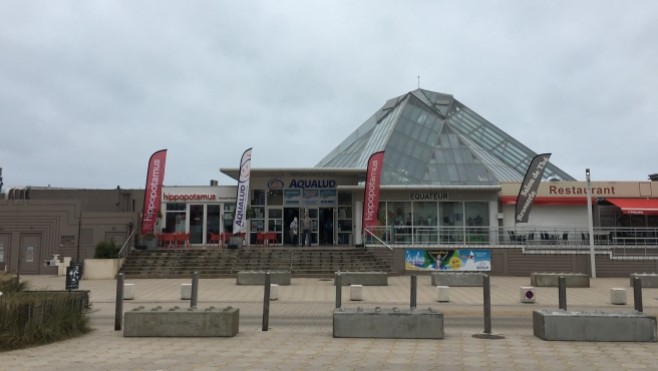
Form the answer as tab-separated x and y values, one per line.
464	260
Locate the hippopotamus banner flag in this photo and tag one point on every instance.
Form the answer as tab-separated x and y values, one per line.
529	187
371	195
153	190
240	220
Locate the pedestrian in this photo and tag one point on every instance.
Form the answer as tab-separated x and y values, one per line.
293	232
307	229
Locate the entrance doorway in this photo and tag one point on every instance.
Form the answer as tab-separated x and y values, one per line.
327	226
29	256
289	214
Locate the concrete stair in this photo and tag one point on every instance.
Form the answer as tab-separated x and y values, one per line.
212	262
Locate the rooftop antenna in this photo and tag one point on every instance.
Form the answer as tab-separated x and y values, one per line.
418	81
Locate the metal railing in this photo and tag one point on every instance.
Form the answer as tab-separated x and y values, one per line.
123	252
404	236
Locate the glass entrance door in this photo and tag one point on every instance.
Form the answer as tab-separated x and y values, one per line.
196	224
313	214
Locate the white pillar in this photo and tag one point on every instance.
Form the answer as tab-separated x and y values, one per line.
186	291
128	291
443	294
356	292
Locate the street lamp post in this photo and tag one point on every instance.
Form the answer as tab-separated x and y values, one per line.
590	223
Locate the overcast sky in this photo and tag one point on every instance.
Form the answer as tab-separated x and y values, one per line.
90	89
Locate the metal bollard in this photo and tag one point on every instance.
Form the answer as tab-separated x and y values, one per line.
266	301
637	294
562	292
339	289
118	310
194	295
486	290
412	299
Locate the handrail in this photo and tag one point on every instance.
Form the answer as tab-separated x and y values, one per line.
122	253
367	231
533	235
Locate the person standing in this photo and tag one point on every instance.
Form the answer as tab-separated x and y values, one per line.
293	232
307	229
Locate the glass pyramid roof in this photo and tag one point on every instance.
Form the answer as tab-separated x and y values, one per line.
431	138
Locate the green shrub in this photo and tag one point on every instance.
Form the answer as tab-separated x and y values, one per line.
9	283
107	250
31	318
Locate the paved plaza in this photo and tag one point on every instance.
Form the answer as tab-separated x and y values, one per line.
300	330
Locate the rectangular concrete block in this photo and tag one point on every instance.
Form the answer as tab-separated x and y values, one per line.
618	296
443	294
649	280
176	322
457	279
552	279
128	291
274	291
282	278
356	292
596	326
186	291
363	278
388	323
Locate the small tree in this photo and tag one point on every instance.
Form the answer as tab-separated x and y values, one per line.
107	250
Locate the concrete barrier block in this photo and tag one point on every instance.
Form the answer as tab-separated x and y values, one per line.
388	324
618	296
356	292
443	294
596	326
552	279
363	278
177	322
648	280
282	278
128	291
457	279
527	294
274	291
186	291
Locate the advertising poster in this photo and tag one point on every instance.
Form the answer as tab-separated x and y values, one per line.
457	260
311	197
292	197
327	197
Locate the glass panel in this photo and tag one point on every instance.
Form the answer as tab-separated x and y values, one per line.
477	221
401	221
196	224
275	197
275	213
212	220
452	221
258	197
229	210
425	222
344	198
175	218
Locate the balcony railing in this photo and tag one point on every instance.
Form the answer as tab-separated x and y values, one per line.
404	236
